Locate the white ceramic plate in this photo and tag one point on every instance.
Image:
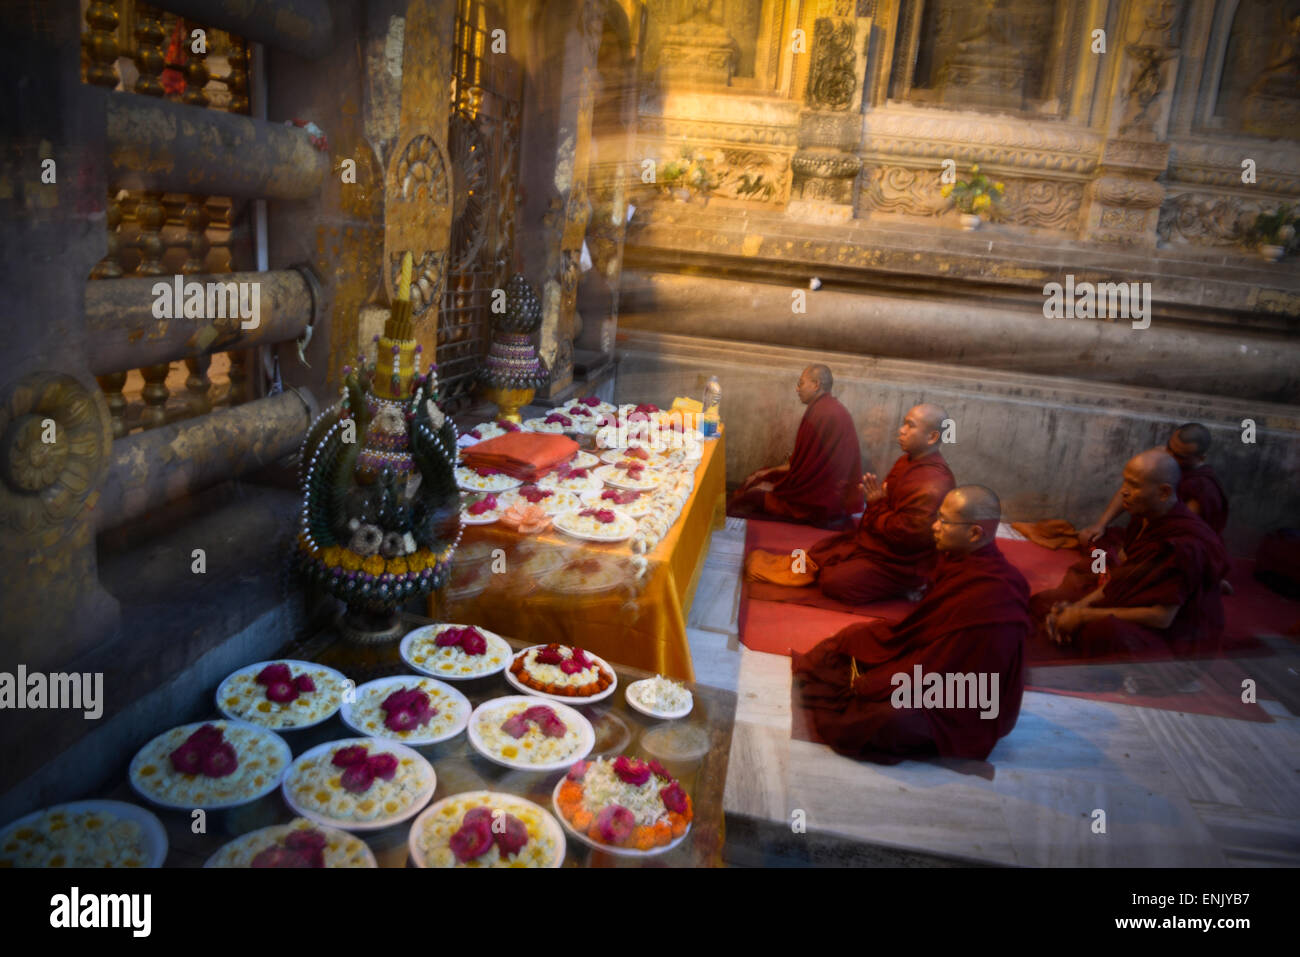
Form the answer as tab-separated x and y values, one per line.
622	528
295	667
471	481
630	694
589	483
609	848
275	743
266	836
639	508
420	641
509	803
560	500
564	699
153	832
446	697
570	717
376	746
583	460
611	475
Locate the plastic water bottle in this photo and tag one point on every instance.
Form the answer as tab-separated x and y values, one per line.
712	408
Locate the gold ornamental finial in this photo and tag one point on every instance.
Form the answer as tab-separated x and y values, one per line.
399	325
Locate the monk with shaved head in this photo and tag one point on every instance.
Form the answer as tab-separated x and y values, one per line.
1161	593
1198	486
892	550
819	484
971	627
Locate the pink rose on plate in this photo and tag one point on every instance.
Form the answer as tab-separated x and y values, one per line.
510	836
358	778
487	471
674	798
647	408
590	400
486	504
579	410
508	425
635	773
602	515
273	673
534	494
474	837
549	655
350	756
556	417
615	824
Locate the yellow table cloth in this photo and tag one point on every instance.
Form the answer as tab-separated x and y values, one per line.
517	585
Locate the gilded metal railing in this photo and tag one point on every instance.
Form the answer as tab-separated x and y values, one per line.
184	159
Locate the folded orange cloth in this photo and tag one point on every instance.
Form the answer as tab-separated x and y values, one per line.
1050	533
779	568
523	455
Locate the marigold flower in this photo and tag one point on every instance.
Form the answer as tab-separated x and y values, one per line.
946	189
373	565
350	560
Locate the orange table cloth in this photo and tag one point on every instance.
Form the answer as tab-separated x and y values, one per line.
628	609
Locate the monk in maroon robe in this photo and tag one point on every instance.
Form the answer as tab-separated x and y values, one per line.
1198	487
891	552
819	485
860	686
1162	593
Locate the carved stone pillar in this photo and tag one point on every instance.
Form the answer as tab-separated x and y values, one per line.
1122	205
827	163
556	151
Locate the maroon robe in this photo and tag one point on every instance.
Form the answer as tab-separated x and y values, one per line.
820	487
1201	485
825	469
974	620
1172	559
892	549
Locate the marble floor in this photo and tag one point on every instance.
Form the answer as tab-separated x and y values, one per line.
1176	789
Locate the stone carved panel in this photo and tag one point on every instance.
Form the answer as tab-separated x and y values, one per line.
1004	141
707	130
894	189
418	219
753	175
1045	204
1206	219
1218	163
831	77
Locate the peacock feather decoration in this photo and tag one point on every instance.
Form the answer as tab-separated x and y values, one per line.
381	510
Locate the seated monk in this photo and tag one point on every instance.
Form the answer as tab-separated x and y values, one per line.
1198	486
819	484
1161	592
892	550
974	622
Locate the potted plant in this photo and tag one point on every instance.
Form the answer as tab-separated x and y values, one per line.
976	197
1274	234
690	175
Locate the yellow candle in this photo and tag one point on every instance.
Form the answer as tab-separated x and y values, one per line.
404	285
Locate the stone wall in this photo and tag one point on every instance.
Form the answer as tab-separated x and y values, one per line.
1050	447
1135	141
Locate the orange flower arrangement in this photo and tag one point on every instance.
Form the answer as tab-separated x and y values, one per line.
350	560
373	565
614	824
